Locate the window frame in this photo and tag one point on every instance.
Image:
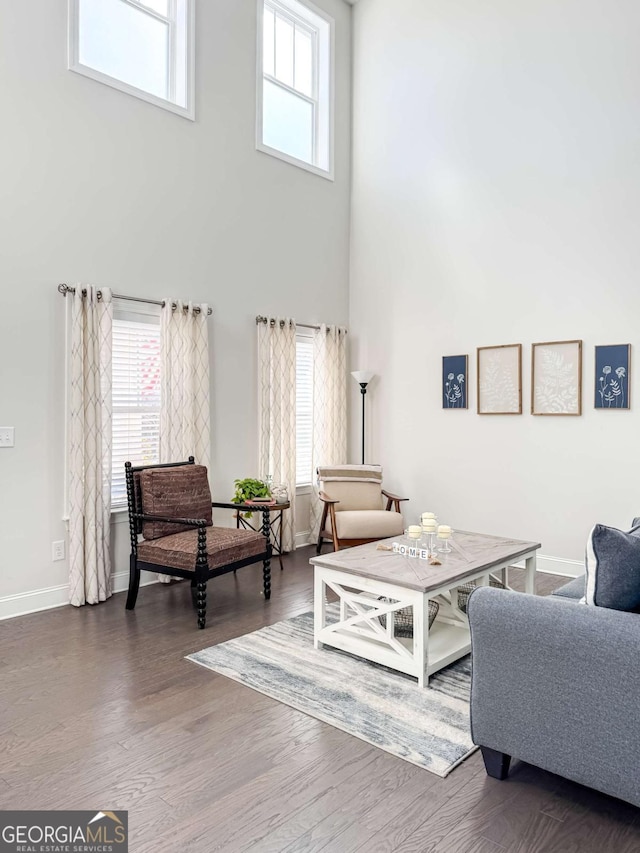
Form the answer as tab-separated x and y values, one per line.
187	111
136	312
324	100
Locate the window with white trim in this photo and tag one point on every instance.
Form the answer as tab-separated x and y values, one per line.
304	410
135	396
295	86
142	47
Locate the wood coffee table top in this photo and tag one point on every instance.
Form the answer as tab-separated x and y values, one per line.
471	553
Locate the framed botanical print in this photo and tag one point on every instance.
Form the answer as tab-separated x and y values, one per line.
454	381
612	377
556	378
500	380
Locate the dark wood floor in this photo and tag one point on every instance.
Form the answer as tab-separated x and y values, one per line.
100	710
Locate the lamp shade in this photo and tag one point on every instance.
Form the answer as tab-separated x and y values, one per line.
363	376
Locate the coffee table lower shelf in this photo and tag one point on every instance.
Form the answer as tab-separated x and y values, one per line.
447	644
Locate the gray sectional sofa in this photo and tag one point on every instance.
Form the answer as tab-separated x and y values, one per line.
556	683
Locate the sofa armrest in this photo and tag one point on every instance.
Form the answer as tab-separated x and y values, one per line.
556	683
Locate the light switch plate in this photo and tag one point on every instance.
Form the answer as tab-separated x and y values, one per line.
6	436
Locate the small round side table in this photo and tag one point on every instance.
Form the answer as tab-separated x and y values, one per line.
276	511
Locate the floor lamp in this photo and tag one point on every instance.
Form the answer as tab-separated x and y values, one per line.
363	378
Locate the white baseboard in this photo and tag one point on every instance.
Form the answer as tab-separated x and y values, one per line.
54	596
302	539
32	602
557	566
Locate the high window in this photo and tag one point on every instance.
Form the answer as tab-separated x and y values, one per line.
295	85
135	396
304	410
143	47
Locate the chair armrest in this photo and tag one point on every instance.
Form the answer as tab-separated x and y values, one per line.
556	683
324	497
243	507
191	522
265	510
393	497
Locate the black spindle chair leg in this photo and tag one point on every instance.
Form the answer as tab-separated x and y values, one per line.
266	565
134	582
202	570
266	579
201	599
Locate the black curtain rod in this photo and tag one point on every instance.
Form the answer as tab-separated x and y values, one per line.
261	319
64	289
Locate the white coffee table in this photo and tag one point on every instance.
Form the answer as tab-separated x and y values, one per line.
371	583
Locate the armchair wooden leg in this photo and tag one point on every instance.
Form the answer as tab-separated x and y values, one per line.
266	578
201	598
323	522
134	583
336	541
495	763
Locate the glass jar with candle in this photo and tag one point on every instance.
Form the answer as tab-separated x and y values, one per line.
414	535
429	526
444	534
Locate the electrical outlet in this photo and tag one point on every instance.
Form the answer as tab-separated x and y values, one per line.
6	436
57	550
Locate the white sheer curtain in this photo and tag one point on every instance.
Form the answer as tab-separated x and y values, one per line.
184	357
277	412
89	445
329	408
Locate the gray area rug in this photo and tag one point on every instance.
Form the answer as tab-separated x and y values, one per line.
428	727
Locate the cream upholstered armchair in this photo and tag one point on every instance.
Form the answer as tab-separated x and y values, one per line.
353	513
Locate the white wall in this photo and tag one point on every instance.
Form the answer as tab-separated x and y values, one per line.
101	187
496	200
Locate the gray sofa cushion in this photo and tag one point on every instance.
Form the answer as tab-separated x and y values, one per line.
574	589
613	568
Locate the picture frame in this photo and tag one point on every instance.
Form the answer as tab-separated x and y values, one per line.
455	374
556	378
499	379
612	378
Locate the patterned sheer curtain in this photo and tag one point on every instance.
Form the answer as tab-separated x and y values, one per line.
89	445
329	407
184	358
277	412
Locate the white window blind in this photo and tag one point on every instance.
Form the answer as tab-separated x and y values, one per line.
136	398
304	410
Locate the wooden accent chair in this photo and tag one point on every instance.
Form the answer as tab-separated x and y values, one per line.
170	523
352	497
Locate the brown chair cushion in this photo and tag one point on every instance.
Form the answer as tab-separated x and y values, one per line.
181	492
224	545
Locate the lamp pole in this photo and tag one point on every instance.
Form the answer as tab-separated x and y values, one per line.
363	378
363	391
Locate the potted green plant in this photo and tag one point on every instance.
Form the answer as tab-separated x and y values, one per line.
249	490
